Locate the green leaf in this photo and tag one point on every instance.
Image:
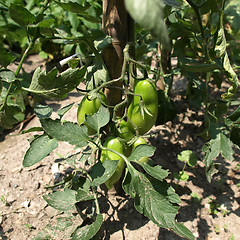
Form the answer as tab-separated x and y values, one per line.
142	150
5	57
64	109
234	118
39	148
21	15
152	200
96	74
99	119
55	86
221	43
7	76
182	175
101	172
156	172
231	13
235	135
83	195
67	131
149	14
200	67
46	23
43	111
73	6
221	144
102	43
61	200
174	3
64	227
88	231
10	115
189	157
33	129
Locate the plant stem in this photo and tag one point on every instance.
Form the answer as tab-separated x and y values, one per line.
196	10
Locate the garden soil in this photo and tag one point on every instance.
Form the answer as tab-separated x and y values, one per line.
24	213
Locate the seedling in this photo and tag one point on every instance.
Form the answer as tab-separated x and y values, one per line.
189	158
232	237
4	200
217	229
195	197
214	206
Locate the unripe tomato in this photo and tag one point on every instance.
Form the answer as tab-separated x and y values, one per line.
138	142
89	107
141	119
125	131
114	144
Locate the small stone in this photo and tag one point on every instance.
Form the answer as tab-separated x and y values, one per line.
36	186
26	204
15	185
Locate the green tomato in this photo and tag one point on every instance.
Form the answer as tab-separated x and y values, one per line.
89	107
125	131
138	142
114	144
142	120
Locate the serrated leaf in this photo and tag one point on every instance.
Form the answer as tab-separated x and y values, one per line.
21	15
55	86
142	150
211	171
43	111
88	231
64	109
221	144
73	6
67	131
156	172
83	195
152	201
99	119
7	76
39	148
149	14
101	172
61	200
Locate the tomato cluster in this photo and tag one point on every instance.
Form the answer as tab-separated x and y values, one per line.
141	116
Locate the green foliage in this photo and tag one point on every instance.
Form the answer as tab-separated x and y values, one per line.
149	14
40	147
219	145
197	36
55	86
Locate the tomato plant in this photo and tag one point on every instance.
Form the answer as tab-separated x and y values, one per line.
122	102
